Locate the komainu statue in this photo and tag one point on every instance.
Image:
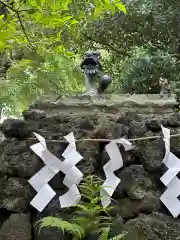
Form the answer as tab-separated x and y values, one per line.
92	69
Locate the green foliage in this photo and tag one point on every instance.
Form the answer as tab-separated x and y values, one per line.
140	73
149	24
33	78
142	45
72	228
137	47
105	235
89	216
46	32
52	16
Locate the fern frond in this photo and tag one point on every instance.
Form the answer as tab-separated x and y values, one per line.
87	216
119	237
107	210
104	225
85	196
104	218
91	184
96	200
81	220
97	209
84	188
72	228
104	235
84	208
93	179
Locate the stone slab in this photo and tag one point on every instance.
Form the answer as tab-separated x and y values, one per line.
110	104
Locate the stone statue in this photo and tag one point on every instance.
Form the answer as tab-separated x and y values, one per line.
92	67
165	87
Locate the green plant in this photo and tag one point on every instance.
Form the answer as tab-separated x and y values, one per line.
105	234
138	54
31	79
38	45
89	216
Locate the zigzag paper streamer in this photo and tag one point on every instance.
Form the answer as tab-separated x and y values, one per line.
169	179
40	180
53	165
73	175
115	163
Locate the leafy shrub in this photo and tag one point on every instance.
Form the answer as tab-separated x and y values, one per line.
140	73
89	216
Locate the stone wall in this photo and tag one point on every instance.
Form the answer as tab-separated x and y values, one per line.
137	197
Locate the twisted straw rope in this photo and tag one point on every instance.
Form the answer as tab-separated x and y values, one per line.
109	140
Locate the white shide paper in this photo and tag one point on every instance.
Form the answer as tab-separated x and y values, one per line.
53	165
115	163
170	179
72	174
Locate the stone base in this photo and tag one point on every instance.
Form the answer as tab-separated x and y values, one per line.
110	104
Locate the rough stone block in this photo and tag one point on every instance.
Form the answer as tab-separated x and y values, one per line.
135	181
16	227
16	195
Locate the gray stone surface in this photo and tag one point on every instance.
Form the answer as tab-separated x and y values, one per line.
135	181
15	128
150	153
155	226
109	104
16	227
15	194
129	208
137	129
34	115
16	158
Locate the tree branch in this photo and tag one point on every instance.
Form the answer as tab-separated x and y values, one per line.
24	31
20	21
108	45
7	6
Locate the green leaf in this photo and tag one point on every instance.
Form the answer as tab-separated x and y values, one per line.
59	35
1	16
2	45
98	11
70	54
74	21
38	2
121	7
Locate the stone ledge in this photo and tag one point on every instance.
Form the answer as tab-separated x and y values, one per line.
110	104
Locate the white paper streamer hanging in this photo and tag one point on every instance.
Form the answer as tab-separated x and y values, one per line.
114	164
53	165
40	180
169	179
73	175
